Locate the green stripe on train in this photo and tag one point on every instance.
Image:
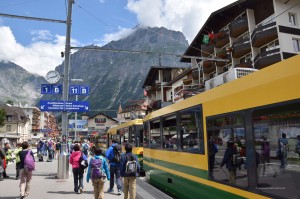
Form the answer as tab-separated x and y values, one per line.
182	188
177	167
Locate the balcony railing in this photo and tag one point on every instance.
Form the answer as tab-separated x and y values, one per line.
268	58
238	27
247	64
221	39
207	49
241	47
264	34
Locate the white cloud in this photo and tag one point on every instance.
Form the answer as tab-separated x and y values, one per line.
41	35
122	33
187	16
39	57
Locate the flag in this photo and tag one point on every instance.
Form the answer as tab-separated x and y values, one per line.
205	39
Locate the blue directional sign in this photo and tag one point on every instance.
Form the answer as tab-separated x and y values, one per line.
52	105
71	106
76	106
51	89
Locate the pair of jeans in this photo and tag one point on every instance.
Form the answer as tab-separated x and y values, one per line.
78	177
115	171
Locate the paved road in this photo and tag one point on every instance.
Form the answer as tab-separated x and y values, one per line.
45	185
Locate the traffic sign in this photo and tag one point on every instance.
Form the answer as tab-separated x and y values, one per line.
79	90
71	106
51	89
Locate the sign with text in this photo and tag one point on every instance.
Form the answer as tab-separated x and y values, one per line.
51	89
71	106
81	124
79	90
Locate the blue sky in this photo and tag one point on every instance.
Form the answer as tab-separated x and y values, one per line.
36	46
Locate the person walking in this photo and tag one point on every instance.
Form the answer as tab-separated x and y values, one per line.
16	152
98	172
228	159
283	148
25	174
77	171
129	169
7	150
2	158
113	155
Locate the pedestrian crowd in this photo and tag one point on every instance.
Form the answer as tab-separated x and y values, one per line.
98	168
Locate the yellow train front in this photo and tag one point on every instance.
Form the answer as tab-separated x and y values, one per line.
185	143
129	132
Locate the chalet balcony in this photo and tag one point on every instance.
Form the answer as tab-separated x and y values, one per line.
264	34
195	74
268	58
187	81
221	39
247	64
238	27
207	49
209	66
240	48
222	55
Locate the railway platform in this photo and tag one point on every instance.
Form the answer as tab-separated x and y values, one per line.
45	185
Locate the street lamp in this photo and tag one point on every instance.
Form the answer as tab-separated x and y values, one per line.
75	129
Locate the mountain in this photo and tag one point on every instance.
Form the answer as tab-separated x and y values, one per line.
116	77
18	85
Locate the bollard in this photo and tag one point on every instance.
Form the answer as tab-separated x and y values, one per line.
63	166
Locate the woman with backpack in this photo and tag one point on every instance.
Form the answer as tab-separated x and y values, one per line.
77	171
26	168
98	172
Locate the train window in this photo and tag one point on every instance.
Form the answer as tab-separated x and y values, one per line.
139	135
146	135
131	138
191	132
226	146
155	134
170	140
124	133
277	135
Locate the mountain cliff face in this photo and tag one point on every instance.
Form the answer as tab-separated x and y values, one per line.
17	85
115	77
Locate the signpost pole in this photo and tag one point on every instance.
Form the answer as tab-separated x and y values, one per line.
75	129
63	165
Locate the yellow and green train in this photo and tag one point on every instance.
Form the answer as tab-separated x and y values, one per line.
129	132
178	139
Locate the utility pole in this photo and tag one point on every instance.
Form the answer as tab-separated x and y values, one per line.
63	164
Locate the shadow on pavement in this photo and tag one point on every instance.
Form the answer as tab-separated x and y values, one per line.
13	197
62	192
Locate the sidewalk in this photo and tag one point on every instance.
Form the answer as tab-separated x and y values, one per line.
45	185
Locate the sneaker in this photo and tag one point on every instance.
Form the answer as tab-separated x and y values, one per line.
110	190
80	190
119	191
22	197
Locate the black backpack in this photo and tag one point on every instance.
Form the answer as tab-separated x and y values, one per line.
83	164
117	153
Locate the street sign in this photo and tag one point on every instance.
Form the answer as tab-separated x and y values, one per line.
76	106
79	90
71	106
51	89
